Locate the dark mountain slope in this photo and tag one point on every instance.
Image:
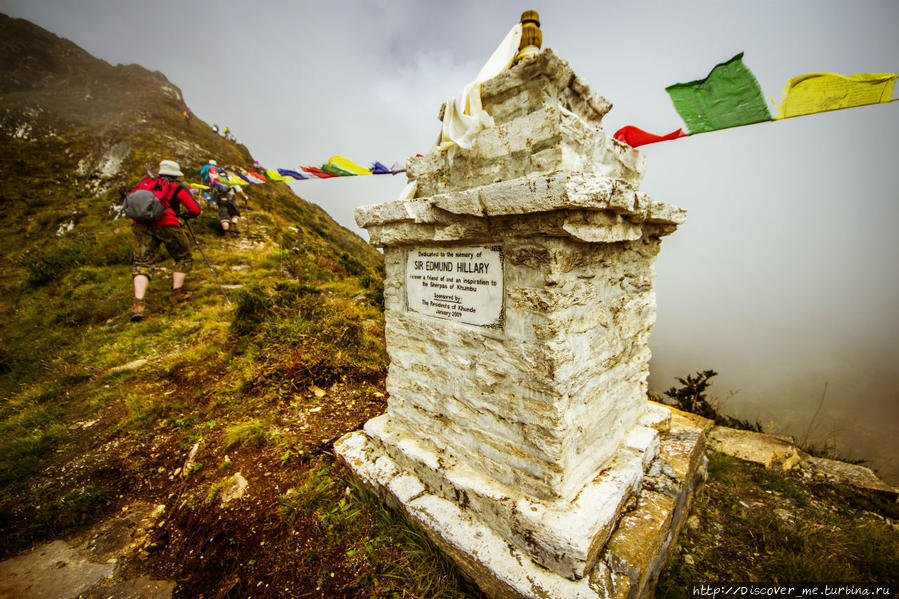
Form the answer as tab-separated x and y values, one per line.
74	129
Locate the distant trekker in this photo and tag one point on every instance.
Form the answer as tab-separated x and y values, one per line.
229	215
164	231
209	173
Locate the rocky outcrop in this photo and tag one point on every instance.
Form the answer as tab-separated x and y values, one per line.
782	453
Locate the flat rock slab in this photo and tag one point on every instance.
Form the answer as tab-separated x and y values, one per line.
54	570
781	452
760	448
844	473
139	588
85	567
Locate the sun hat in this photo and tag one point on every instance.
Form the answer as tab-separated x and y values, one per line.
170	168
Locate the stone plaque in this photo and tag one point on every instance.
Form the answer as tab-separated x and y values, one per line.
461	283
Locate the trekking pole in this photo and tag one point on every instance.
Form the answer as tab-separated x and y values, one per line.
199	247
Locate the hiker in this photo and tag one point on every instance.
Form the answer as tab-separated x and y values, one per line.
164	231
215	129
239	189
186	114
209	173
229	214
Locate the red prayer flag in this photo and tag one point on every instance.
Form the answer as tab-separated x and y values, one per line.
635	137
316	172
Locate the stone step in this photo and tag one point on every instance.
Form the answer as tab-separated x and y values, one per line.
564	536
453	507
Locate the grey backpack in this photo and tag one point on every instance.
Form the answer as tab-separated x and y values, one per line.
143	206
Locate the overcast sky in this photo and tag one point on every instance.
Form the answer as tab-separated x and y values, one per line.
784	277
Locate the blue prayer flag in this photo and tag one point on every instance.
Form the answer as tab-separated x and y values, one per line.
289	173
379	169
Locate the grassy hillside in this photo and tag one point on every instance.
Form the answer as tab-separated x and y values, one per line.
98	413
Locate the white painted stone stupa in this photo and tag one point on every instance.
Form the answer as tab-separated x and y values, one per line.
519	302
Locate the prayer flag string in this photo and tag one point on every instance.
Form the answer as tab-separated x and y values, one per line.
730	96
337	166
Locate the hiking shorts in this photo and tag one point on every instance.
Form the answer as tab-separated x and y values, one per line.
147	240
227	210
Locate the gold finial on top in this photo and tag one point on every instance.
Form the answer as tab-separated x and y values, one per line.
531	36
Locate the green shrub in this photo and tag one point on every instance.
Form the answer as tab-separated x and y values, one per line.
304	336
5	359
53	263
77	507
251	306
353	266
691	397
374	290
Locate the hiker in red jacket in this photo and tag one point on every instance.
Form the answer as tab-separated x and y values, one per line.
165	231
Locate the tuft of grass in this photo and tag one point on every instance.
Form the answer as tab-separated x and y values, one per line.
22	447
77	507
252	432
145	411
215	491
315	492
393	557
50	516
251	307
777	482
30	430
723	467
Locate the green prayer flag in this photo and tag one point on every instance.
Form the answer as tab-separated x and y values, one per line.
729	97
336	170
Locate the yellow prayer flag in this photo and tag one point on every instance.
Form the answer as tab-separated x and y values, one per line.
198	186
820	92
275	176
348	165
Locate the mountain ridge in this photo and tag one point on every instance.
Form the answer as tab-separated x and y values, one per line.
106	125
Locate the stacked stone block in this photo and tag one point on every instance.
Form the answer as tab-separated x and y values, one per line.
530	428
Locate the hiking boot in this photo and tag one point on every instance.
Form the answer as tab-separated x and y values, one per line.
179	295
137	311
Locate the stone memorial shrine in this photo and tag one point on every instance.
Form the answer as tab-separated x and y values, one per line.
518	303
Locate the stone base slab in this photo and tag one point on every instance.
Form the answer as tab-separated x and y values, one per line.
622	559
